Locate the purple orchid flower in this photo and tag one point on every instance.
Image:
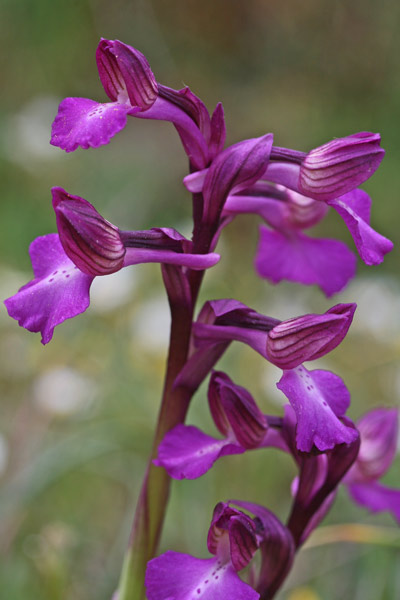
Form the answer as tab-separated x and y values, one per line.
131	86
233	539
65	265
318	397
379	433
186	452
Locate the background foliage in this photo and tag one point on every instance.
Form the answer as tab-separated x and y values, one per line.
77	416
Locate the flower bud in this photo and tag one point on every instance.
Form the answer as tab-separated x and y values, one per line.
340	165
308	337
91	242
123	70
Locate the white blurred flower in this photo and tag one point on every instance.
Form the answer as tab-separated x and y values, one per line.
28	133
63	391
3	454
150	325
111	291
378	307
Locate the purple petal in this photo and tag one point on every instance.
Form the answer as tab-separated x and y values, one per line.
277	548
228	319
92	243
191	105
281	208
176	576
318	398
233	409
123	70
187	453
86	123
340	165
354	210
297	257
376	497
135	256
194	182
292	342
232	536
218	131
58	292
234	169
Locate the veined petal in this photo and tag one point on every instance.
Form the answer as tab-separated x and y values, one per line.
354	209
86	123
234	169
176	576
90	241
277	548
297	257
340	165
318	398
308	337
234	410
123	70
58	292
187	453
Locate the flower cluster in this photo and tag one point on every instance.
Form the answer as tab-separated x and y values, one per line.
291	191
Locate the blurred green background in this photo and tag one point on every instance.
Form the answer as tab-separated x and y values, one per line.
77	415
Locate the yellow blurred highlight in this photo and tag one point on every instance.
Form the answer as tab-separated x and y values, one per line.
303	593
355	533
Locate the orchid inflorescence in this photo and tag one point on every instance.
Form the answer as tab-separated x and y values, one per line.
291	191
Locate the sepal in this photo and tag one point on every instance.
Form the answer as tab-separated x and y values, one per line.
233	408
90	241
124	71
308	337
232	536
340	166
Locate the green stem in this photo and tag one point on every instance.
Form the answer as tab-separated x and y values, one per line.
151	507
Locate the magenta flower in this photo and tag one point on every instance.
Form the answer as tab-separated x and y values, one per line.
378	432
233	539
186	452
319	398
132	89
65	265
